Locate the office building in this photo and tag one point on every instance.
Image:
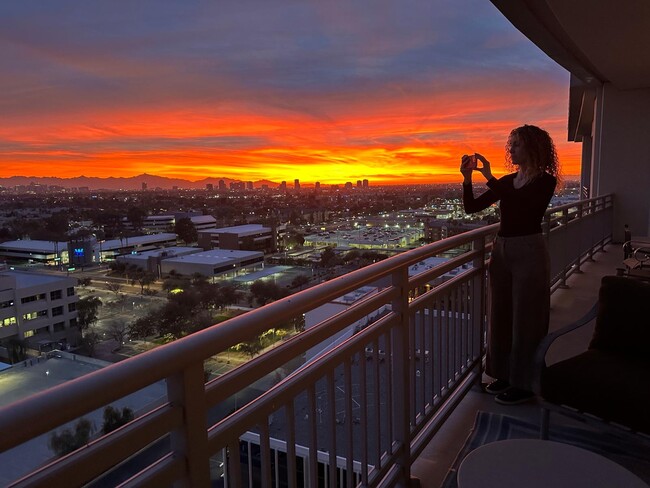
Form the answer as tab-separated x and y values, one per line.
249	237
34	252
224	263
37	308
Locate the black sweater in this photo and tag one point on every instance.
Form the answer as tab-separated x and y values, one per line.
522	210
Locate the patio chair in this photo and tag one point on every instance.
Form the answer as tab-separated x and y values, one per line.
610	381
638	264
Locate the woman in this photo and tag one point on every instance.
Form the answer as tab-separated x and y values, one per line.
519	269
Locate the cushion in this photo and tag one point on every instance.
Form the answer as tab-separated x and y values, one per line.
623	321
607	385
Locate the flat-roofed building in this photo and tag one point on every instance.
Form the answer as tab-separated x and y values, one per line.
225	263
38	308
151	260
249	237
109	250
28	251
202	222
166	223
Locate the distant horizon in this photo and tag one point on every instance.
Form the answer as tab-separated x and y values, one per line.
329	91
137	180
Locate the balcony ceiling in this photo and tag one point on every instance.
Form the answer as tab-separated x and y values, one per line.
596	40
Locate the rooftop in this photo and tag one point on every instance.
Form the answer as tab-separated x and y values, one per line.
137	240
26	279
215	256
36	246
238	229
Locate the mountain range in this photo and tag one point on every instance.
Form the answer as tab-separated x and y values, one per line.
131	183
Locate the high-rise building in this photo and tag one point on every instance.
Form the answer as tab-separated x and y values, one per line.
348	185
144	186
358	183
317	187
249	185
222	185
209	186
365	183
283	186
296	184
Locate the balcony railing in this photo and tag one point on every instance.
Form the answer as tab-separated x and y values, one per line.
399	360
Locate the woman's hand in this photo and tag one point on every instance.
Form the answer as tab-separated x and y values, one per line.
485	169
465	168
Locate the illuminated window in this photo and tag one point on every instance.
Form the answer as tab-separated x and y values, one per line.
7	304
8	321
29	333
34	315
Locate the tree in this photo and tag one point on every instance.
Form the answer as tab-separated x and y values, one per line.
300	281
144	326
227	296
118	329
185	230
90	340
114	419
294	239
54	228
85	281
17	349
87	311
67	441
328	258
144	279
352	255
136	216
266	291
251	348
114	287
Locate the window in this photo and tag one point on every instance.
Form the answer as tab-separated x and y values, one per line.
59	326
71	291
57	311
8	321
33	298
56	294
73	322
7	304
29	333
72	307
34	315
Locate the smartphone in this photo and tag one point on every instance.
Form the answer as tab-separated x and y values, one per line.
472	164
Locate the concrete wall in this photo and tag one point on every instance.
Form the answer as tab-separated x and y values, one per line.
621	156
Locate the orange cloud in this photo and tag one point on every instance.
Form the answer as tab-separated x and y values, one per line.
398	139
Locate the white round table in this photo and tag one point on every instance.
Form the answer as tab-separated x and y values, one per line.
535	463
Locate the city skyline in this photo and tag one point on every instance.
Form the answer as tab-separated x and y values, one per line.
391	92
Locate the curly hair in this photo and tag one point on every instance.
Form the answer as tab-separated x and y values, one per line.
539	147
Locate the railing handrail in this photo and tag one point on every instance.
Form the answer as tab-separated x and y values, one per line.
100	387
70	400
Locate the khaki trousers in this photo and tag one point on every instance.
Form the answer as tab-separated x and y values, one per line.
518	306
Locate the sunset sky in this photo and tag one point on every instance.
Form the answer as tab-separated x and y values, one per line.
330	90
